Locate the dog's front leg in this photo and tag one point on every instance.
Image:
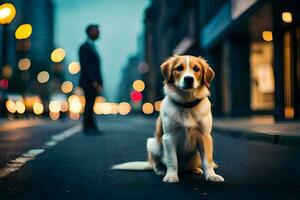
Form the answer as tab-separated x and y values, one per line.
206	152
170	159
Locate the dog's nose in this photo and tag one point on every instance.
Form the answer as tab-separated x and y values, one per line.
188	80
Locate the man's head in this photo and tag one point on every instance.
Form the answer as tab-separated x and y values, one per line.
92	31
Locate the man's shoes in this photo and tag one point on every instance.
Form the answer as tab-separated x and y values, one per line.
92	131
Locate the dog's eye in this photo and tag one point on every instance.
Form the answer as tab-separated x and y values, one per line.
179	68
196	69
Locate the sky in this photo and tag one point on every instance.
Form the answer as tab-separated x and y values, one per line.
121	21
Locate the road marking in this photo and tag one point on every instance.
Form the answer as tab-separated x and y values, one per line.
17	163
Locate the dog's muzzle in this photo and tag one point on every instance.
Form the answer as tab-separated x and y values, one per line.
188	82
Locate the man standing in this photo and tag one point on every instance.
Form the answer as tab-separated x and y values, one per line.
90	77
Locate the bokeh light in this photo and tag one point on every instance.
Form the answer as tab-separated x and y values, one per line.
43	77
7	13
54	106
124	108
75	107
7	71
106	108
138	85
115	108
20	107
157	106
74	116
75	104
38	108
4	84
23	31
143	68
74	67
287	17
10	106
24	64
267	36
64	106
136	96
67	87
58	55
147	108
54	116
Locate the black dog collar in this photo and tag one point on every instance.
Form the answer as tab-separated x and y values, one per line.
190	104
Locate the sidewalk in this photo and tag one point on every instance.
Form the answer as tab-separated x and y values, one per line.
262	128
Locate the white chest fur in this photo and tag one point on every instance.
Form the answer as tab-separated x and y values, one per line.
187	117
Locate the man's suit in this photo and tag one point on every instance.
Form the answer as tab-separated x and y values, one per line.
90	73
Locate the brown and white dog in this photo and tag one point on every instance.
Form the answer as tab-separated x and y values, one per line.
183	130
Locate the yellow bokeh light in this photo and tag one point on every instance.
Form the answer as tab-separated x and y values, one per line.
124	108
74	67
73	98
10	106
7	13
267	36
24	64
58	55
23	31
100	99
106	108
138	85
67	87
115	108
38	108
43	77
97	108
75	106
20	107
54	107
82	101
147	108
287	17
157	106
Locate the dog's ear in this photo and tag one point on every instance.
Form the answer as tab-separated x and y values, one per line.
166	69
208	73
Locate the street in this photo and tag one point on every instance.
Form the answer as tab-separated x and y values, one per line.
78	167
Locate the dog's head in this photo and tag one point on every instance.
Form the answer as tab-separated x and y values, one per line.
187	72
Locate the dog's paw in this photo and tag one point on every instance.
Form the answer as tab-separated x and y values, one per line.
197	171
159	172
171	178
215	178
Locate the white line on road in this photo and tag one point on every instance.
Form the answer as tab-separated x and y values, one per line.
16	164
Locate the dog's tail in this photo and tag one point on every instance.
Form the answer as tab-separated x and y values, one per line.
136	165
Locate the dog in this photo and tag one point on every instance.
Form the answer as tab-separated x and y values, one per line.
183	138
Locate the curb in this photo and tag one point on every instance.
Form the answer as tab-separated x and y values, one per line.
283	139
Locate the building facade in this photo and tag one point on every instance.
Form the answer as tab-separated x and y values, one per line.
253	47
171	27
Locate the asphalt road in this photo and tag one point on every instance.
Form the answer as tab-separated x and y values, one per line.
79	166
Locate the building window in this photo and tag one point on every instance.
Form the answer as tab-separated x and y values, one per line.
262	76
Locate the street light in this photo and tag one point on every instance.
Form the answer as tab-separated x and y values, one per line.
7	14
